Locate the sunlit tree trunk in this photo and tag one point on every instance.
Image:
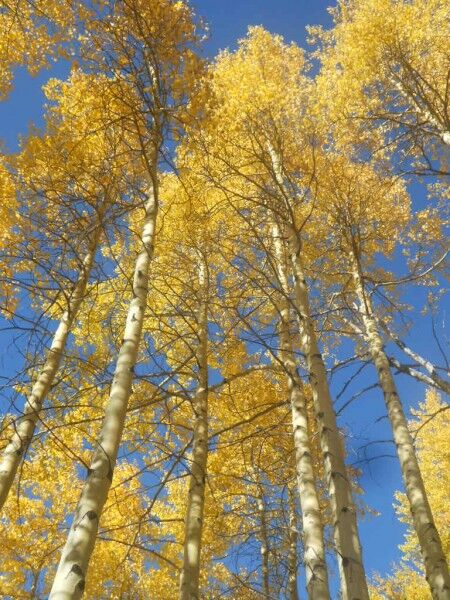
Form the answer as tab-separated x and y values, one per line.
346	537
69	581
24	429
313	537
190	574
436	567
345	527
263	536
292	554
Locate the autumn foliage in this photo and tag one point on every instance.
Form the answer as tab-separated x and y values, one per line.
191	252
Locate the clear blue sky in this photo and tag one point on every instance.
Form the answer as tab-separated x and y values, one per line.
228	22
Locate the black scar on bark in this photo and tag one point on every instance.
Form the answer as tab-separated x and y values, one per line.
76	569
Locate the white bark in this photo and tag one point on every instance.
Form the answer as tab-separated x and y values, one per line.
292	556
313	536
346	536
446	137
345	528
69	582
436	567
436	380
24	430
263	537
190	574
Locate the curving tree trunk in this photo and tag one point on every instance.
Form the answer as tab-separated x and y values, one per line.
190	573
69	582
436	567
24	430
313	536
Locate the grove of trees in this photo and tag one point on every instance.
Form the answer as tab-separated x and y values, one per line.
191	250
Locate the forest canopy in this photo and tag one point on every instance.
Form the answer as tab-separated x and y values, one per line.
222	305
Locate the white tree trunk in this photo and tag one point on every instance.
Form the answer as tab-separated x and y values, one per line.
434	379
345	528
292	555
190	574
313	537
346	537
15	450
263	537
436	567
69	582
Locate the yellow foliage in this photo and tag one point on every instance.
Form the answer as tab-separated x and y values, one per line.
387	59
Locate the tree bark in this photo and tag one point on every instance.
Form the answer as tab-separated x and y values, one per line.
292	591
190	574
69	582
436	567
24	430
436	380
346	536
263	537
313	536
345	527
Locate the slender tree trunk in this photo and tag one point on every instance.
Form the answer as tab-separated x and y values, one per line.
436	567
426	364
345	527
292	592
263	537
69	582
16	449
435	382
313	537
346	537
190	574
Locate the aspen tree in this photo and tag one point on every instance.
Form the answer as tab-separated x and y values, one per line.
155	80
184	276
353	211
81	178
435	562
260	104
386	63
429	426
346	535
263	536
70	578
292	558
313	536
23	430
189	582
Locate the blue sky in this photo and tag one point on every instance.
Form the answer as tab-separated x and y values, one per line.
228	22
